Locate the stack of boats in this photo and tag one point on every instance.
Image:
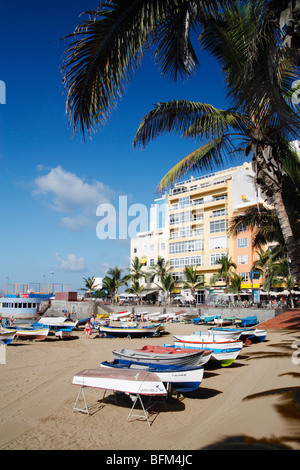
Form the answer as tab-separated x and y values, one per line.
38	331
177	367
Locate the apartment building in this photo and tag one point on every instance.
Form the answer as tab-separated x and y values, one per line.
195	229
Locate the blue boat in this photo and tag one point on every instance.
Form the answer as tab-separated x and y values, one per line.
180	378
247	321
205	318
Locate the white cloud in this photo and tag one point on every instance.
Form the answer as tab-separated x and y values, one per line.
67	193
71	263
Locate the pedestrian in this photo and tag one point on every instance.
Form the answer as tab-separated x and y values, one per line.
93	319
87	329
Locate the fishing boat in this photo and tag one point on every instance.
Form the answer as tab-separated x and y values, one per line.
166	355
119	316
224	321
7	335
180	378
223	351
229	333
57	322
205	318
128	331
259	335
63	333
140	382
247	321
30	332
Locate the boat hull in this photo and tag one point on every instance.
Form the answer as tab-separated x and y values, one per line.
38	334
6	335
171	356
124	381
181	378
124	332
225	352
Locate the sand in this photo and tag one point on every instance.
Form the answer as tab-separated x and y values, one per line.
254	403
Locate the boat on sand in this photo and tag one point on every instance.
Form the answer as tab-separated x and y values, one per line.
179	378
165	355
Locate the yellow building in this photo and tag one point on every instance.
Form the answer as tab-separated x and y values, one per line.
199	212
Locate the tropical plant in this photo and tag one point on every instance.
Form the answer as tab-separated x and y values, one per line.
136	270
116	279
160	268
225	270
281	271
167	283
107	48
235	284
136	289
193	280
246	129
89	284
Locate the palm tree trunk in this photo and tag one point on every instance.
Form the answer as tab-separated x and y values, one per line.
292	248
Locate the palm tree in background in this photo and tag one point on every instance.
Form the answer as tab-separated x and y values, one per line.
136	289
167	284
225	270
117	280
193	280
251	127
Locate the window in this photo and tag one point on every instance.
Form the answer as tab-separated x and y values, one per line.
242	242
151	262
244	275
217	226
187	246
184	201
242	259
215	257
186	261
218	213
217	242
135	250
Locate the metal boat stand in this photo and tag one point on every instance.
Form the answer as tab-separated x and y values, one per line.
86	408
144	414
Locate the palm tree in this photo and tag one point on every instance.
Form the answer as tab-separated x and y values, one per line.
194	281
281	271
136	289
167	283
244	129
235	284
136	269
224	271
117	280
107	48
89	284
109	287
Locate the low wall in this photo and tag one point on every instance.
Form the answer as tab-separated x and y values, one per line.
83	309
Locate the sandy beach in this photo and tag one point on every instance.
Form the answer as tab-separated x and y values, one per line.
253	404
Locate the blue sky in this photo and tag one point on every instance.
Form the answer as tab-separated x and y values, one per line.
52	182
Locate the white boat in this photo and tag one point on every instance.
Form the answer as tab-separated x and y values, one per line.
24	307
226	333
225	321
63	333
181	378
7	335
166	355
38	334
57	322
223	351
119	316
125	381
128	331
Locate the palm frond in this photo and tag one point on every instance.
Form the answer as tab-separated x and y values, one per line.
210	155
